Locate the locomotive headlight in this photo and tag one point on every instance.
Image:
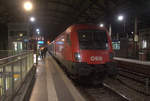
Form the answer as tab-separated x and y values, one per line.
111	55
77	56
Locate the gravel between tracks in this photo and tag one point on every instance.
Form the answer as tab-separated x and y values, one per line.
99	93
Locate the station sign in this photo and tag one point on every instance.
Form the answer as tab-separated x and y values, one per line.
40	42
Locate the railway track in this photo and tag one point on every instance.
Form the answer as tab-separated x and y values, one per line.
128	89
120	89
135	75
95	93
135	80
99	93
125	87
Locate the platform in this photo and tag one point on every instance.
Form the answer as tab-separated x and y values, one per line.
52	84
132	61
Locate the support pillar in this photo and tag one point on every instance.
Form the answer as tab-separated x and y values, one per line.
136	35
135	26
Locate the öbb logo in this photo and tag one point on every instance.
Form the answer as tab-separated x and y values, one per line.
96	58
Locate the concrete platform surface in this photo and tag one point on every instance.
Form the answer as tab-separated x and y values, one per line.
52	84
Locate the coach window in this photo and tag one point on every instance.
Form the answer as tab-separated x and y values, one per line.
68	39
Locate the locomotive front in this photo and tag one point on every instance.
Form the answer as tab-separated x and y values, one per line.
93	52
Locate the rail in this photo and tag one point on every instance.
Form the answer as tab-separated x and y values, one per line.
7	53
13	71
135	75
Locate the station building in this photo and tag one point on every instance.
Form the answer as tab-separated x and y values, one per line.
17	36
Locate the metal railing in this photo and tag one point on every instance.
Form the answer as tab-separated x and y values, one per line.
7	53
13	71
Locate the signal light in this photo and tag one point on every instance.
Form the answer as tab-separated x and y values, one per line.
48	42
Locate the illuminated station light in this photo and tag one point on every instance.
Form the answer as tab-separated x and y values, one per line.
21	34
48	42
120	17
32	19
38	30
101	25
28	6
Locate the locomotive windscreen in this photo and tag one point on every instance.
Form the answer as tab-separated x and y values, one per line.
92	39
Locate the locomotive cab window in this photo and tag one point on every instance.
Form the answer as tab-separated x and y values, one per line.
92	39
68	39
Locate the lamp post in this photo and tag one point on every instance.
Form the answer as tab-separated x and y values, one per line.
28	7
121	18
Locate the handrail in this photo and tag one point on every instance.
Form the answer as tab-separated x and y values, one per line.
8	53
13	56
13	70
11	61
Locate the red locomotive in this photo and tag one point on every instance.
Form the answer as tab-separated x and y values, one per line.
85	50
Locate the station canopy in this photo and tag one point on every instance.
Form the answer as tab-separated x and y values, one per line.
54	16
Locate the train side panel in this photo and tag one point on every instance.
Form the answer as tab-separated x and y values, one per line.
67	47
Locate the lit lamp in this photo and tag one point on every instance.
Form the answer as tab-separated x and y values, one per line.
38	31
28	6
20	34
48	42
120	17
32	19
101	25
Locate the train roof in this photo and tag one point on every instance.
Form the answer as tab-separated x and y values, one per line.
80	25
